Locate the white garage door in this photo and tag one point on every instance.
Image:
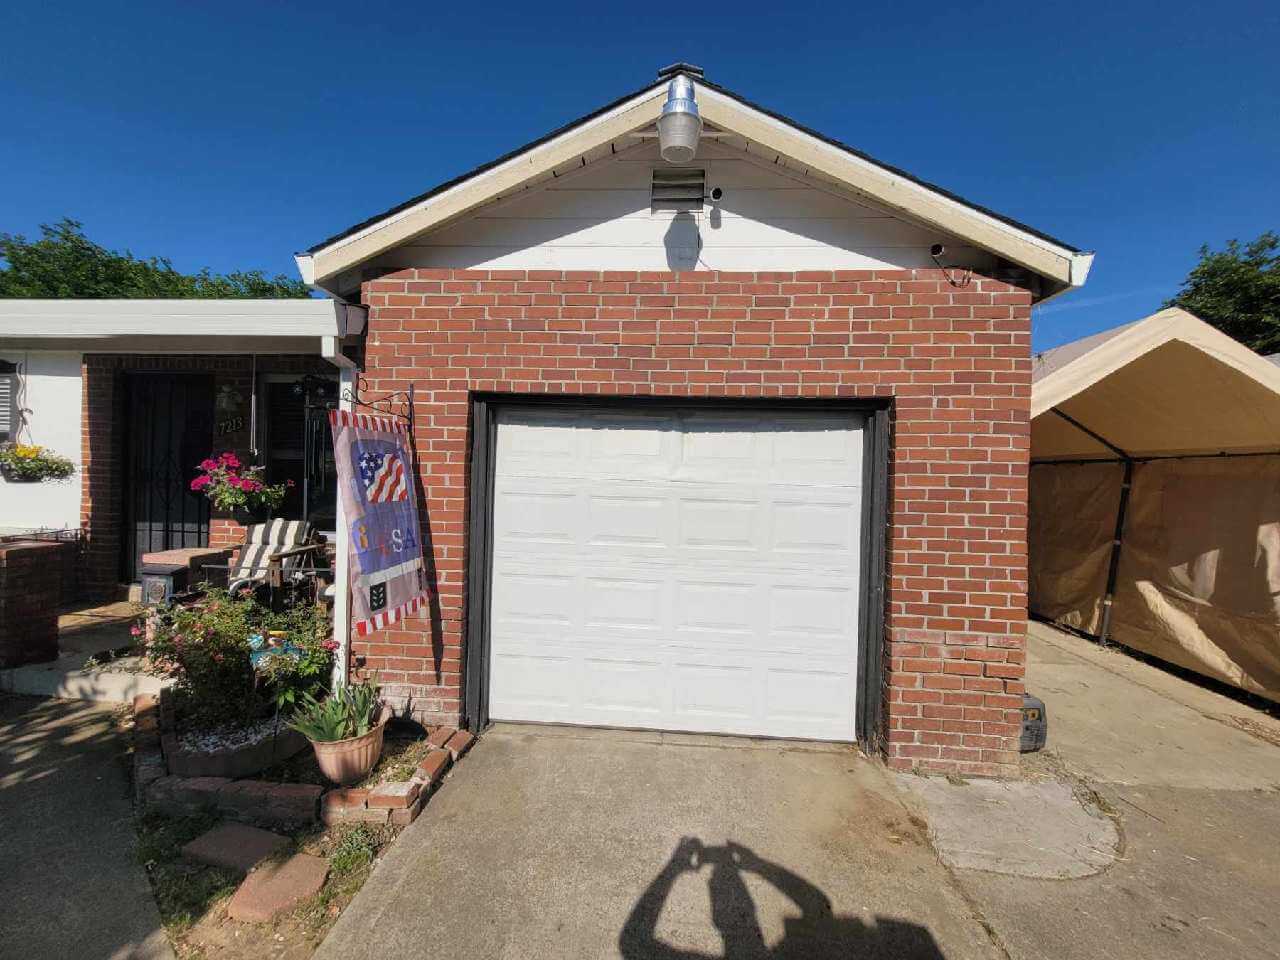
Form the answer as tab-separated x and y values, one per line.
679	571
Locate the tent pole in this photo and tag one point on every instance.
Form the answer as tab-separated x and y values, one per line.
1113	566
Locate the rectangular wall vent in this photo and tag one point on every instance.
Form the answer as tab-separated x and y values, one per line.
677	188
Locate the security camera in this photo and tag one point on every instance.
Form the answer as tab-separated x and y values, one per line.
716	194
937	250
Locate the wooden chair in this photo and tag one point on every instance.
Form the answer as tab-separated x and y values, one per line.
273	553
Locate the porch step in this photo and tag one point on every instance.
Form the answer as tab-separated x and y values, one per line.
68	678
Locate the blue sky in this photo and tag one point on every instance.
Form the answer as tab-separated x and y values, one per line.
230	135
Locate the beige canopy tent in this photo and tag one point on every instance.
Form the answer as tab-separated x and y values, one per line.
1155	496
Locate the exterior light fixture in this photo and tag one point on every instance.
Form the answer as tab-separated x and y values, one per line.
680	124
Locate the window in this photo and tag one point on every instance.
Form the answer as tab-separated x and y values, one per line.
8	401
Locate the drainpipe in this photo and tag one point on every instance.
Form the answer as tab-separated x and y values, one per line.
331	350
1117	538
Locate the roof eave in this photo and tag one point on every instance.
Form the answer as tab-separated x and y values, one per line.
1062	266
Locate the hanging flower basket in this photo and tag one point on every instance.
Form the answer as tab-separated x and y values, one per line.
29	463
236	490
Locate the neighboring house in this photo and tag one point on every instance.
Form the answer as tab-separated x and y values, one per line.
732	444
1155	496
137	392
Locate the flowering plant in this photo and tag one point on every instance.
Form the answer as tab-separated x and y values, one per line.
207	648
230	485
28	461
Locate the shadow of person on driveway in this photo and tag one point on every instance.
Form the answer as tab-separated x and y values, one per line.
816	934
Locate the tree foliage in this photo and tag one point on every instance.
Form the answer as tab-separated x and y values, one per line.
64	263
1238	291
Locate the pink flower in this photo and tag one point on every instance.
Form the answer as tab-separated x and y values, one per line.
208	465
199	483
229	459
135	630
330	645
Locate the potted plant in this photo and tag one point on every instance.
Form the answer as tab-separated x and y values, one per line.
345	730
31	463
234	488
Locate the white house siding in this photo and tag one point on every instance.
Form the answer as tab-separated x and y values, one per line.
52	398
600	219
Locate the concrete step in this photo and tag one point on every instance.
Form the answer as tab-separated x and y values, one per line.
69	678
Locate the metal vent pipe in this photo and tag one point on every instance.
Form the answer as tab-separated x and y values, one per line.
680	124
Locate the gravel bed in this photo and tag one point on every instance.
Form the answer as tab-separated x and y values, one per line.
230	738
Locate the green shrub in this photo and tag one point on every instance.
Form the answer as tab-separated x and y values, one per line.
206	648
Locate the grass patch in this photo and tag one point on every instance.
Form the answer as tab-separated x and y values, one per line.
183	891
351	852
355	849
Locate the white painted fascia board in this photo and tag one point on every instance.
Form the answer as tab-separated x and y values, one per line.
1172	323
241	319
188	346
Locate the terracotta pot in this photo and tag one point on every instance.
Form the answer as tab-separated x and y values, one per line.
348	761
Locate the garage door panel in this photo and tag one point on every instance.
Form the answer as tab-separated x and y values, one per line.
631	519
543	517
710	691
807	527
684	571
624	602
720	523
820	702
529	684
615	688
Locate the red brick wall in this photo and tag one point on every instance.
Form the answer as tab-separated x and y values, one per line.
32	587
955	359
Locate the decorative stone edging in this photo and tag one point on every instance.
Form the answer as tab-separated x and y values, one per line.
232	762
158	787
398	802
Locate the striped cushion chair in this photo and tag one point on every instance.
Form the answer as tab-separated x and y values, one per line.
271	552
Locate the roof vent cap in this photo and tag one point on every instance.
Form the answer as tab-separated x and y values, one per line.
680	124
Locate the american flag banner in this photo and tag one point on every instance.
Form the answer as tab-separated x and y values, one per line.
376	483
384	477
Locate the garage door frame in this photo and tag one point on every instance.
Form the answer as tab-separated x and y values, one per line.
875	480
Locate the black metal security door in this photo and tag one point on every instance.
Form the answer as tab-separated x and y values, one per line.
168	431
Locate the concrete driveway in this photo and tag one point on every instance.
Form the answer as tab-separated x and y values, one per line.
69	883
568	843
1193	778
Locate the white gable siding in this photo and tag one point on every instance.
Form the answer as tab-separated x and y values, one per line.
599	219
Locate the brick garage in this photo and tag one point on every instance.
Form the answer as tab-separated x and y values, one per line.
752	311
953	359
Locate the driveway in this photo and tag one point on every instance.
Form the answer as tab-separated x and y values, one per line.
572	843
1194	779
554	842
70	884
